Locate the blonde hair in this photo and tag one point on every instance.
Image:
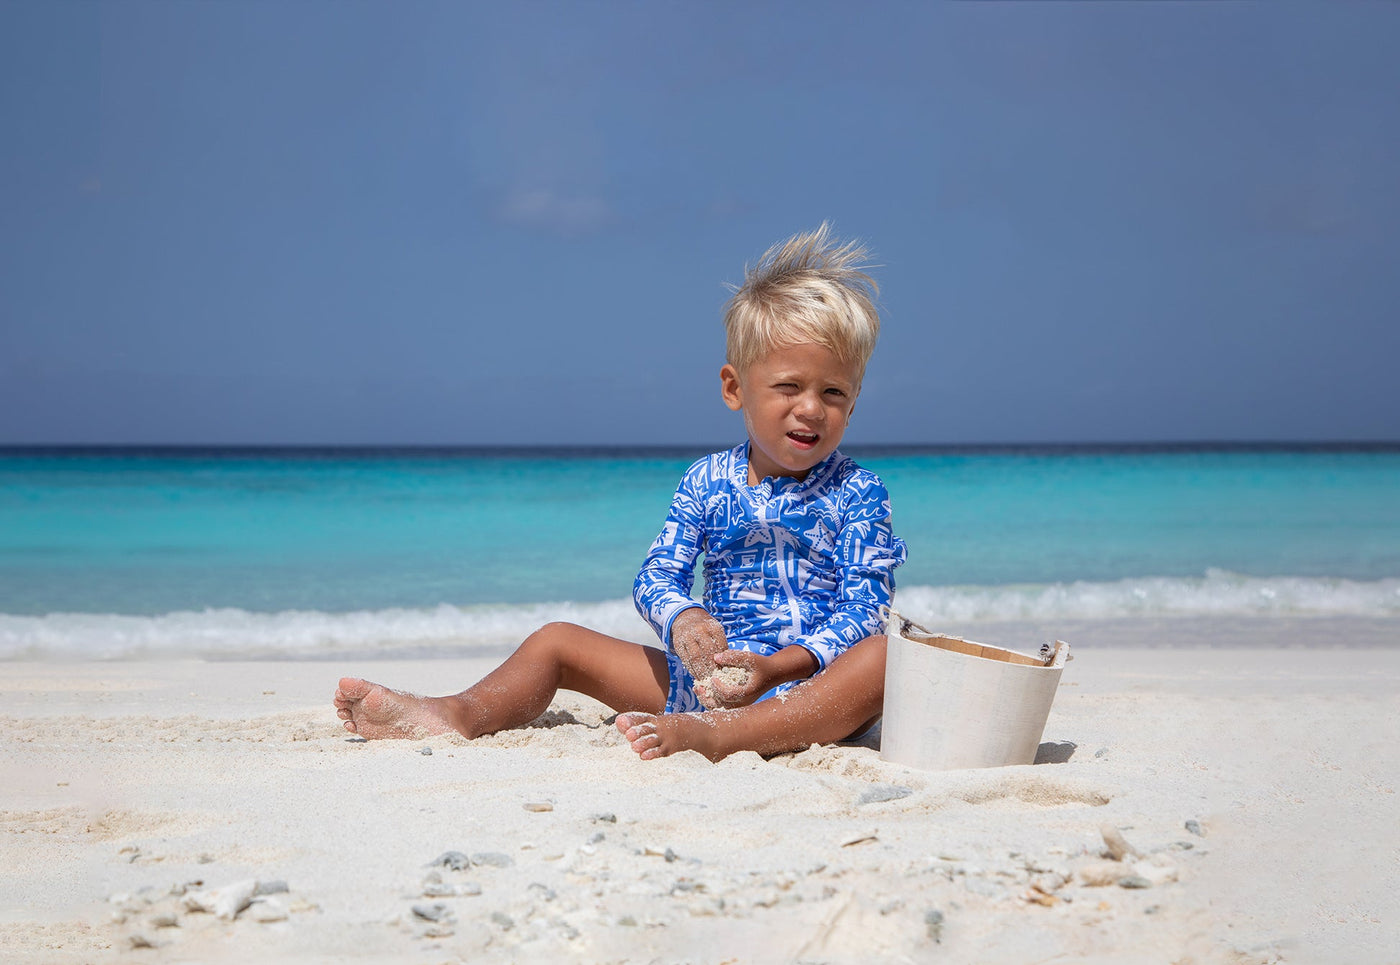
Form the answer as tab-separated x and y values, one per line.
809	289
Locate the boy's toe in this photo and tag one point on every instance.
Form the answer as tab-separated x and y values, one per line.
626	722
352	688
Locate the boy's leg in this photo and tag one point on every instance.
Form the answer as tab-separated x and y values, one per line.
838	702
559	656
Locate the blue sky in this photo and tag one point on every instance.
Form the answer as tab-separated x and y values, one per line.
456	223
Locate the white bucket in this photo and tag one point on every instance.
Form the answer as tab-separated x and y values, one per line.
951	703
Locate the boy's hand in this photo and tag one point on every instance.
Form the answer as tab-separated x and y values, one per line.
696	637
760	674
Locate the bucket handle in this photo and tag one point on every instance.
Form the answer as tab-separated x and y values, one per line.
889	615
1048	654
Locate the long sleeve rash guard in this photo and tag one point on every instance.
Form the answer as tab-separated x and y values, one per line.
807	562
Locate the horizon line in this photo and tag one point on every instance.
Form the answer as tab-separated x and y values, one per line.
523	449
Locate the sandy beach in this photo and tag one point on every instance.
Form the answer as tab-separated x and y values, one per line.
1258	786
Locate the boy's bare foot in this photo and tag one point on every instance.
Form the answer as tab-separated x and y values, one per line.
661	735
376	712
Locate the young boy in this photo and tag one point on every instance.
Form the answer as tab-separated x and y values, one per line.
799	556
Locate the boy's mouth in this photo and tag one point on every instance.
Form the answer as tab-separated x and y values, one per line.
804	439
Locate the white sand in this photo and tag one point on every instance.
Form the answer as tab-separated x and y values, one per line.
121	776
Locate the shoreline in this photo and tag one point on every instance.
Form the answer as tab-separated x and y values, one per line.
124	775
215	636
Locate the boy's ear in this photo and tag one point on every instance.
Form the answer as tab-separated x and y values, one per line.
729	389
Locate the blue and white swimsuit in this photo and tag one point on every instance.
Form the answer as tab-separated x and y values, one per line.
807	562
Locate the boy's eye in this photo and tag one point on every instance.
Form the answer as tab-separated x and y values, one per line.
836	392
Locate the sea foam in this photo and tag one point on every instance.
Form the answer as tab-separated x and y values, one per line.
1218	593
462	631
230	632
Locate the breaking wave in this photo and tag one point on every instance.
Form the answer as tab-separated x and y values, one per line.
465	631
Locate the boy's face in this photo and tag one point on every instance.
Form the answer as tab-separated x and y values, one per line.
796	401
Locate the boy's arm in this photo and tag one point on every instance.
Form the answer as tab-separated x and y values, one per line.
868	552
696	637
662	589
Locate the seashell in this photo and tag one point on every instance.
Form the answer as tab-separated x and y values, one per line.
1098	874
1118	846
268	910
1158	869
439	890
453	860
434	912
224	902
493	858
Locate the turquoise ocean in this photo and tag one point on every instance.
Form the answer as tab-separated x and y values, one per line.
315	553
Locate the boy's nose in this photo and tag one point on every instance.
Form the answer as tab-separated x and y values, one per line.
808	407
